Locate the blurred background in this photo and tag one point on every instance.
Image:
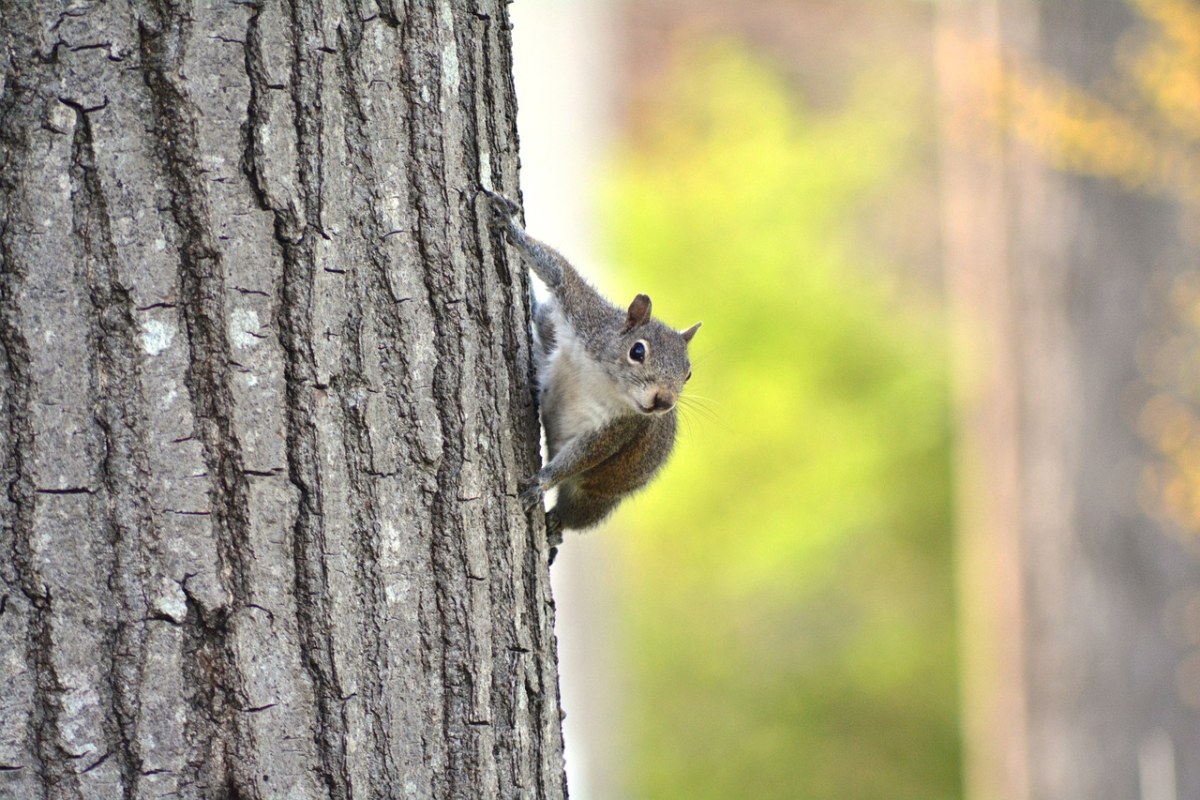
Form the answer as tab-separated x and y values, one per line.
931	529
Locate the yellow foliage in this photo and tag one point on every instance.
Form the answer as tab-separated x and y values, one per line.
1147	140
1146	145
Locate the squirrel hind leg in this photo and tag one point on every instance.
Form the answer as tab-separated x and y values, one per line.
554	530
553	536
578	510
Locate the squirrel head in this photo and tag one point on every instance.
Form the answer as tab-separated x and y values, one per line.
650	360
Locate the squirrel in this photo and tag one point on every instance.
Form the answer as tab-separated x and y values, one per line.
608	383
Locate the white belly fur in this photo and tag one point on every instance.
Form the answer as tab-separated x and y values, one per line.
577	397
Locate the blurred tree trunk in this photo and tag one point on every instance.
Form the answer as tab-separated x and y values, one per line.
1075	687
264	405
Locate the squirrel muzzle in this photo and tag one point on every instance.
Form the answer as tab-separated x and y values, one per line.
661	401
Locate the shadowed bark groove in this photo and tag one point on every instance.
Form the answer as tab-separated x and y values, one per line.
265	403
428	193
123	468
163	42
356	432
294	230
46	757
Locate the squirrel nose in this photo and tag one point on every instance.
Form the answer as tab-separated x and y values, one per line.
663	401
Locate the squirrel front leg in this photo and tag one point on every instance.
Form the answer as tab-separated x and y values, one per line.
575	457
546	262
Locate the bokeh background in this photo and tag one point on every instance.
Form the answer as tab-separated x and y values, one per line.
931	527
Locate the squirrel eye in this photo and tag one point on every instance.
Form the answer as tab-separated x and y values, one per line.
689	376
638	351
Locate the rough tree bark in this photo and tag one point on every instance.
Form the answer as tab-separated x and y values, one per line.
264	407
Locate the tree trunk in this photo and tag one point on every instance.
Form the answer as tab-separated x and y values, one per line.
264	408
1081	673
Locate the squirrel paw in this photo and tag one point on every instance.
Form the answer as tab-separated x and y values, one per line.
502	209
532	494
554	536
554	529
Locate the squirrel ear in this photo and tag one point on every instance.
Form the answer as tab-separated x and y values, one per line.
639	312
690	332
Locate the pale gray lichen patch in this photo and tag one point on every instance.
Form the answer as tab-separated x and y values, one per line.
156	336
244	327
450	66
171	602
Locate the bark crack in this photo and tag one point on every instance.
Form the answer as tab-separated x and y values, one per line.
365	210
45	747
427	194
125	471
162	39
294	231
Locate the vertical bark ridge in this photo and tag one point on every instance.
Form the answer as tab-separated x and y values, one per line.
365	210
44	728
488	288
309	543
124	471
503	137
21	494
162	39
288	218
530	681
365	551
296	231
371	282
428	197
526	683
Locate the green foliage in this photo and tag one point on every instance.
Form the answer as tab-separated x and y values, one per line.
790	614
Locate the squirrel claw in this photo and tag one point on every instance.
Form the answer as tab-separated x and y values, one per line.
502	209
531	495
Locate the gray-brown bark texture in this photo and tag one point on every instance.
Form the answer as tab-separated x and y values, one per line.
264	407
